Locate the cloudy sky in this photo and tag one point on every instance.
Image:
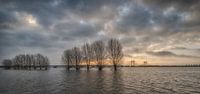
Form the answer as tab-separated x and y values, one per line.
164	31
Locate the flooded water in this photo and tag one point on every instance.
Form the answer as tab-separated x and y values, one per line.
140	80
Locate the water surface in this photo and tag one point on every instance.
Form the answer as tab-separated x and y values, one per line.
140	80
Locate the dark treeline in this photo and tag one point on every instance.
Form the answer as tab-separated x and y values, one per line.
96	52
27	61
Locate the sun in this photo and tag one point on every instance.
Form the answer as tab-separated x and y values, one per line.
31	20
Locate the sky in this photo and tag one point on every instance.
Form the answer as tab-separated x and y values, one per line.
163	32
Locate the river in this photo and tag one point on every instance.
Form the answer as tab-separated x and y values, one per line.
127	80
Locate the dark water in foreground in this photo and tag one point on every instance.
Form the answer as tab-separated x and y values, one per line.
182	80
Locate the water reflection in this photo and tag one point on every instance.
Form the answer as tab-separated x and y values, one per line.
117	82
124	81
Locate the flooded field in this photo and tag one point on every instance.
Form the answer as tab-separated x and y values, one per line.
136	80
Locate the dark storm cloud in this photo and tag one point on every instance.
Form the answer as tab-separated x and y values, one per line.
27	39
12	43
74	30
49	11
196	50
169	54
174	15
141	25
181	4
184	23
182	8
133	16
45	13
162	53
6	19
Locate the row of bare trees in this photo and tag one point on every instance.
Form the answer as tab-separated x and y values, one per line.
7	63
96	52
26	61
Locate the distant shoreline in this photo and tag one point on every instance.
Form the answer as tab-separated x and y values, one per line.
58	66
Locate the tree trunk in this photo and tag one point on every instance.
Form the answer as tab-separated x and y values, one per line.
88	68
68	66
115	67
100	67
77	68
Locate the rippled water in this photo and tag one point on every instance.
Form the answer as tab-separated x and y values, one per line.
138	80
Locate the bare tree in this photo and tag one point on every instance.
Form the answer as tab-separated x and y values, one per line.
16	62
115	52
87	54
7	63
99	53
27	61
42	61
67	57
34	61
38	60
46	62
76	57
20	62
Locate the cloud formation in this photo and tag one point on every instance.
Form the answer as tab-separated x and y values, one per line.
169	28
170	54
